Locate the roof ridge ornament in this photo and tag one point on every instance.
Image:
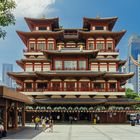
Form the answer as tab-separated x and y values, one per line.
60	47
43	16
81	48
98	16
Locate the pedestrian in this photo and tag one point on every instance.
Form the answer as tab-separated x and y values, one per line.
33	119
47	123
138	118
37	121
58	117
3	133
71	119
98	119
44	124
51	124
75	119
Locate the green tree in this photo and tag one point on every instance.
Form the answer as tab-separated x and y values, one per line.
6	15
130	94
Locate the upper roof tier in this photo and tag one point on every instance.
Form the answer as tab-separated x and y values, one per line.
52	24
33	22
109	22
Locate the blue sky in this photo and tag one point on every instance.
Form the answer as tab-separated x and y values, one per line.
70	13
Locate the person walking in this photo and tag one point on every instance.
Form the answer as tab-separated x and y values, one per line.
37	121
51	124
44	124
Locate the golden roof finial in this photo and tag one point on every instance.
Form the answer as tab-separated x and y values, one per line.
97	16
43	16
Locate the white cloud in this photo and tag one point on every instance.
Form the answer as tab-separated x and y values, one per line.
33	8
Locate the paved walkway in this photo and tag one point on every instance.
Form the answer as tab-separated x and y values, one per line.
81	132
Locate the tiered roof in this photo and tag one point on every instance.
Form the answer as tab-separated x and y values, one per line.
32	22
99	21
64	73
106	34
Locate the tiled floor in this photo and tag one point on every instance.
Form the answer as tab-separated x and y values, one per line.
81	132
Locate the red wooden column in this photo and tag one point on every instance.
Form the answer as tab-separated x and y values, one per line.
86	44
62	86
49	85
91	88
28	45
55	47
23	115
114	44
94	43
46	44
105	44
78	85
36	44
118	85
117	67
34	86
98	66
106	86
5	119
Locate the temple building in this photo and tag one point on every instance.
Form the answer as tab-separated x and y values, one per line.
73	72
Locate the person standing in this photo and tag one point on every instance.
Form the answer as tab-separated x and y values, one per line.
71	119
98	119
51	124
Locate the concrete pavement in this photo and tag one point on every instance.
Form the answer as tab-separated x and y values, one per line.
81	132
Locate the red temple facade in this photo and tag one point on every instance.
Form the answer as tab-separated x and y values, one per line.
71	68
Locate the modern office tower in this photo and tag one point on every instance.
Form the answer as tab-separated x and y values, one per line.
134	52
5	78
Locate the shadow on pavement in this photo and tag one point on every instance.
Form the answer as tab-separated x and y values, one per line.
24	133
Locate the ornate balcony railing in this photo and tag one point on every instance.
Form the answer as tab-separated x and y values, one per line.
70	69
109	50
58	89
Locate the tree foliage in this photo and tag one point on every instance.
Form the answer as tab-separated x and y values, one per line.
131	94
6	15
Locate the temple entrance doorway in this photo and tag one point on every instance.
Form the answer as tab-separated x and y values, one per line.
84	116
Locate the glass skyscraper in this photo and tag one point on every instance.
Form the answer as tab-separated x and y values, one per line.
134	51
5	78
